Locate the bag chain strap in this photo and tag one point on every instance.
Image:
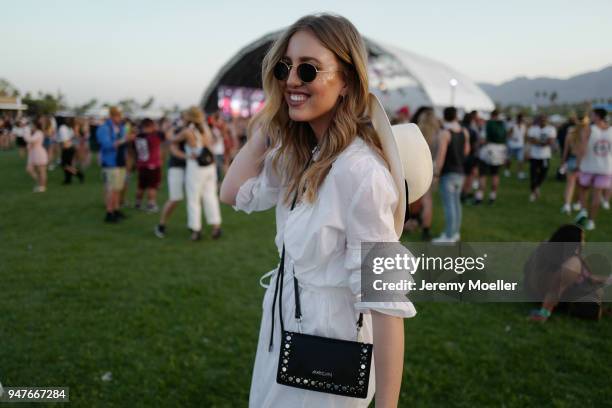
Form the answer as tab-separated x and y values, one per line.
280	280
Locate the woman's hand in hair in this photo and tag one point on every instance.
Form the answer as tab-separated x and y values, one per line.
246	164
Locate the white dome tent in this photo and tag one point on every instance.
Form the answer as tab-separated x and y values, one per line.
398	77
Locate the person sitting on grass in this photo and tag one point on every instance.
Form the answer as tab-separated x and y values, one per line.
558	274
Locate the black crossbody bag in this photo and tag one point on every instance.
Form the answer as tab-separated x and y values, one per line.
205	158
318	363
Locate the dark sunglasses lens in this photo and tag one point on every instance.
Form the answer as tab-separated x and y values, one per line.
281	71
307	72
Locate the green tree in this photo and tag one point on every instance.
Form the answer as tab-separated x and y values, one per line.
44	103
81	109
7	89
553	97
128	106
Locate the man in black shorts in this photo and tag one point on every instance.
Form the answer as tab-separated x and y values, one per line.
148	162
492	157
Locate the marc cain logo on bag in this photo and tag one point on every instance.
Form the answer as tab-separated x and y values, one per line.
322	373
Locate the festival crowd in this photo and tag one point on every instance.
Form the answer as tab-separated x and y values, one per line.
197	148
470	156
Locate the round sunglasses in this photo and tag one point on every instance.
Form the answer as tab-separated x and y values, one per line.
306	72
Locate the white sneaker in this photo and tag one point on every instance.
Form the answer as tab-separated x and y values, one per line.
605	205
581	214
532	197
566	209
443	239
589	225
456	237
522	175
576	206
152	208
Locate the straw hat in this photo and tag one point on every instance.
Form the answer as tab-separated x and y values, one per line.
409	158
194	114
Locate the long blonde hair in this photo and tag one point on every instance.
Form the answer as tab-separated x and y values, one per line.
575	134
295	140
429	126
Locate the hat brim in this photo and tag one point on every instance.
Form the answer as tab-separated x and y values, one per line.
408	156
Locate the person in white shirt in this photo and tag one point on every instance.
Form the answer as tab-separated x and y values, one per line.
314	141
65	138
595	164
200	175
541	137
516	146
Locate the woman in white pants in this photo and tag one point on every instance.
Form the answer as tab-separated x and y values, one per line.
200	176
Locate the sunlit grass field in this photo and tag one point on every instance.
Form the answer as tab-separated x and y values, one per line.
126	319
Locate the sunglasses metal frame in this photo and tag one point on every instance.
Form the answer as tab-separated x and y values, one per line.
290	66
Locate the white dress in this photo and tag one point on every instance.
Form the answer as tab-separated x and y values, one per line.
200	188
322	240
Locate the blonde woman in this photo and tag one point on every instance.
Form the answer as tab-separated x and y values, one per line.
569	161
200	175
426	120
314	142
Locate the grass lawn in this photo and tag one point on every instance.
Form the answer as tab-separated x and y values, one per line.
176	323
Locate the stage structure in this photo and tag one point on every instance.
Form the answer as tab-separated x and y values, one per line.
397	76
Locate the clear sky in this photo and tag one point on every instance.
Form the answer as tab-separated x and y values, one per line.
171	49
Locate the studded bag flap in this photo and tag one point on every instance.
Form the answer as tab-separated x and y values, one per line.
324	364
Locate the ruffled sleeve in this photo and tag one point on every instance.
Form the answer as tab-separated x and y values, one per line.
261	192
370	219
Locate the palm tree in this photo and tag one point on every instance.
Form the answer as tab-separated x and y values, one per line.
553	97
148	103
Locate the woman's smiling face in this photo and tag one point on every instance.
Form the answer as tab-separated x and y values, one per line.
314	101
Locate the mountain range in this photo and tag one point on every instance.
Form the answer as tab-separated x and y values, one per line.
522	90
